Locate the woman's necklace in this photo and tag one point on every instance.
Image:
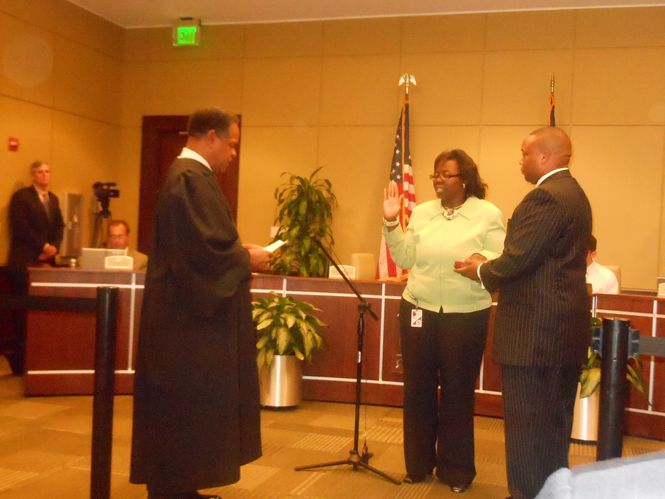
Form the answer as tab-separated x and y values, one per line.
449	213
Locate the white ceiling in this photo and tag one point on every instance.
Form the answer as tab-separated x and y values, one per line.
150	13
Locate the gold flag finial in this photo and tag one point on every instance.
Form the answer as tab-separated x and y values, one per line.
552	83
407	80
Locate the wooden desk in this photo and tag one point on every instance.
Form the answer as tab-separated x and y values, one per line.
61	345
332	373
647	315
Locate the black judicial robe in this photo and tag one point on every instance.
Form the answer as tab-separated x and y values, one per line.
196	398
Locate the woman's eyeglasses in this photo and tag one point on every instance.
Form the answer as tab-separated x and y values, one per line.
444	176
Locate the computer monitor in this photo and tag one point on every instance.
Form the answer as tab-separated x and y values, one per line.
94	258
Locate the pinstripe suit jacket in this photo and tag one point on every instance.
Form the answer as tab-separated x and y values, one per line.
543	314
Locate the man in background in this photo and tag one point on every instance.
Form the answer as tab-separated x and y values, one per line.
35	233
541	332
196	395
35	221
601	278
118	238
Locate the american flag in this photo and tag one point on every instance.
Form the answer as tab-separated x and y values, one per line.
551	103
551	113
401	173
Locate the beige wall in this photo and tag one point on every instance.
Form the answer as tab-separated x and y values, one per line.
60	70
325	93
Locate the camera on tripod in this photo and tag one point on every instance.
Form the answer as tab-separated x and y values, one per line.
104	191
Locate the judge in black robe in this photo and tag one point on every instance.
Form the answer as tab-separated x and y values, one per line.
196	401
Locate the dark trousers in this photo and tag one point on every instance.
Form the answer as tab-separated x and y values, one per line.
538	416
446	351
19	283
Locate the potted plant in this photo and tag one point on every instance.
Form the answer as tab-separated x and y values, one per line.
287	333
304	214
585	418
590	374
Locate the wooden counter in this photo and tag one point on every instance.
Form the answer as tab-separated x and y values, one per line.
60	346
647	315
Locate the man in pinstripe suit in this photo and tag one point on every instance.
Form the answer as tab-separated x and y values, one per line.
542	329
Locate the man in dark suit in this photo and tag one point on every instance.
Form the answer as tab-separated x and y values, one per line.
36	227
541	332
35	221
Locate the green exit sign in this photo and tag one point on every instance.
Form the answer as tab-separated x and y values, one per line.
187	33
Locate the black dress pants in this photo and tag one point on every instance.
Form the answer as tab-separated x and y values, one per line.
538	407
446	351
19	282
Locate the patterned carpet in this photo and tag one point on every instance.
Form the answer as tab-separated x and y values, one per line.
45	452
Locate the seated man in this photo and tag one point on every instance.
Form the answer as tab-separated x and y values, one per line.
118	238
601	278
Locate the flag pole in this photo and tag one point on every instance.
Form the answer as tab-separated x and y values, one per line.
401	173
551	117
407	79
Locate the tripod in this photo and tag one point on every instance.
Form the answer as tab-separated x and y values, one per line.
355	459
102	218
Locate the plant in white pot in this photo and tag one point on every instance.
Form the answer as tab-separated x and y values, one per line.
287	333
590	373
587	404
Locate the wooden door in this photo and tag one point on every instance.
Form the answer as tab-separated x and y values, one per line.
163	137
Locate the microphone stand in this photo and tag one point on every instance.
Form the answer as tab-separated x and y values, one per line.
355	459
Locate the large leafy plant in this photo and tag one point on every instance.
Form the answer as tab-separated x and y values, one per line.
285	326
304	214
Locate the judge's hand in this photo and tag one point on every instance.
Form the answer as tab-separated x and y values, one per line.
48	251
259	259
392	201
469	266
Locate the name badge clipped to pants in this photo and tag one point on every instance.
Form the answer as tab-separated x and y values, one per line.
417	317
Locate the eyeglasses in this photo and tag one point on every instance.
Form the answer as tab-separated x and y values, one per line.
444	176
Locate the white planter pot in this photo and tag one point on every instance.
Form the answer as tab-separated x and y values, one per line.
585	417
280	383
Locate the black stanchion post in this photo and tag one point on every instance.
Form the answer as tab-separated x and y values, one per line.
102	413
612	388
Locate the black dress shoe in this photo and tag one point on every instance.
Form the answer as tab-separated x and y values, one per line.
186	495
409	478
458	488
417	477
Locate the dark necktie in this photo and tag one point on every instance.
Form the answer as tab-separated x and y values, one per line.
44	198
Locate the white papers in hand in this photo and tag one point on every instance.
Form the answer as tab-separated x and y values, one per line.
274	246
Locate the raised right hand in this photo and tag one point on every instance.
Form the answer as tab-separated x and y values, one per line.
392	201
